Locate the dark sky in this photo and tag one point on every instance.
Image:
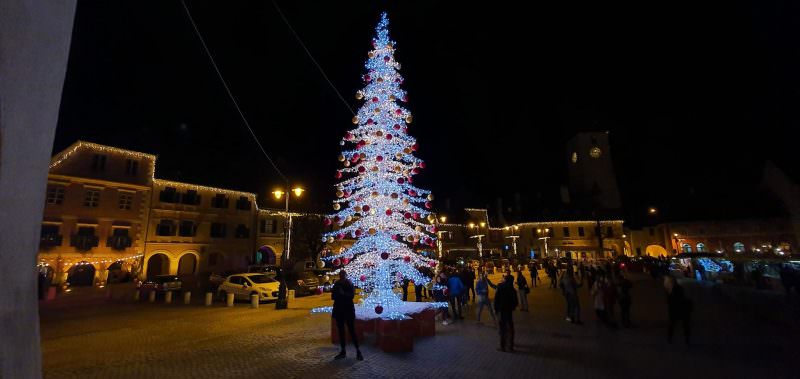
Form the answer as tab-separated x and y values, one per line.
696	95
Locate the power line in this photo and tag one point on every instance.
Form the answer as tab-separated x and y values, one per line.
228	91
303	45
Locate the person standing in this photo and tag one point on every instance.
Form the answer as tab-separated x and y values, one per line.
469	282
344	312
522	284
625	300
505	301
679	308
405	289
482	296
534	275
455	290
440	297
570	290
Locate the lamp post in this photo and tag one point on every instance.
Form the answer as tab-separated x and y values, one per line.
287	230
479	245
514	243
545	238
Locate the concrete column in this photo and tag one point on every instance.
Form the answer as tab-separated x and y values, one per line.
229	299
34	46
151	297
167	297
254	301
187	297
209	298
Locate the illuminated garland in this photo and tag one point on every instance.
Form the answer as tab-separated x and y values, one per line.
376	202
87	263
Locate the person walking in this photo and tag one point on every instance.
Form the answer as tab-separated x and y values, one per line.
598	299
405	289
344	312
505	301
679	308
469	282
482	296
625	300
522	284
569	288
440	297
534	275
610	297
418	291
455	290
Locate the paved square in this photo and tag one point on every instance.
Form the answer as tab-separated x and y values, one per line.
754	336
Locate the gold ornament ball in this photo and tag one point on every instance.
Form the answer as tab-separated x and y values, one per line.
398	155
380	79
430	197
379	133
330	239
372	231
336	206
348	218
374	169
394	195
357	208
418	228
374	194
362	155
388	45
410	239
346	163
371	54
409	119
359	95
377	110
405	201
407	151
341	158
339	193
392	98
355	120
397	169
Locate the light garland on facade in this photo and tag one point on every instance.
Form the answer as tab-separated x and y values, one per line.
376	201
61	157
186	186
94	262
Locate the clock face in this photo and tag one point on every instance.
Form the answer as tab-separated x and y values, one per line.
574	157
595	152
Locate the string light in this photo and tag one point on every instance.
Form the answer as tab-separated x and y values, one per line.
64	155
198	188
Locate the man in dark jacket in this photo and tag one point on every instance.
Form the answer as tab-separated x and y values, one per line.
344	311
505	301
679	308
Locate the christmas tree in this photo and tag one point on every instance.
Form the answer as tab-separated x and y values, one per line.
377	203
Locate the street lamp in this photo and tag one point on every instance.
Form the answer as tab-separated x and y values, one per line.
545	238
287	235
479	245
514	243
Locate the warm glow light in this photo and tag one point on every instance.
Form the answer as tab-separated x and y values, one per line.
547	230
652	211
538	230
298	191
443	219
676	234
483	224
471	224
278	194
623	236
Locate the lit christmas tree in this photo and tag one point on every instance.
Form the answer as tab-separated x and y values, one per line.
376	202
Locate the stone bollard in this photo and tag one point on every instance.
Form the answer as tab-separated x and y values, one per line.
229	299
187	297
168	297
151	297
209	298
137	295
51	292
254	301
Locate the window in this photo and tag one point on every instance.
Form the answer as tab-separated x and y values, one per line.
55	195
187	229
190	197
242	231
701	247
262	226
50	236
243	204
98	162
236	280
131	167
687	248
551	232
168	195
219	201
565	230
638	251
738	247
581	231
609	232
91	198
273	227
125	200
166	228
119	240
85	238
218	230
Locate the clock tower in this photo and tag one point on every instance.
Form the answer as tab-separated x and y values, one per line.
592	181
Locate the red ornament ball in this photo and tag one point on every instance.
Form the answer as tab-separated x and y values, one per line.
367	78
363	278
421	164
416	215
415	171
336	218
384	256
365	208
394	237
378	309
400	180
345	261
327	222
428	204
338	175
432	264
358	232
362	169
375	99
410	180
405	98
370	121
336	262
406	259
398	111
348	136
415	147
386	58
412	192
446	291
388	212
340	236
379	158
388	136
407	215
396	126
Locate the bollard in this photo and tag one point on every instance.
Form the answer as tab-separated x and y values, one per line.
137	295
151	297
254	301
229	299
209	298
51	292
187	297
168	297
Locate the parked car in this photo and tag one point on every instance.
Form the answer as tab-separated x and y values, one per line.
161	283
246	284
270	270
325	278
302	282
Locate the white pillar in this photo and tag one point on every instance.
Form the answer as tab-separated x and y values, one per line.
168	297
209	298
137	295
229	299
34	46
187	297
151	297
254	301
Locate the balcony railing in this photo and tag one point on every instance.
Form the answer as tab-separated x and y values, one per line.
50	240
119	242
84	242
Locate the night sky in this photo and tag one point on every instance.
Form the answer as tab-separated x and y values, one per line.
696	95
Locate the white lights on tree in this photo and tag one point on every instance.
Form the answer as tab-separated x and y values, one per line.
377	204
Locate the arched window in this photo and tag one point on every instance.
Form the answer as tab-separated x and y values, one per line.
701	247
687	248
738	247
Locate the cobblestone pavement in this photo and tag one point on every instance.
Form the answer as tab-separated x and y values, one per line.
120	339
